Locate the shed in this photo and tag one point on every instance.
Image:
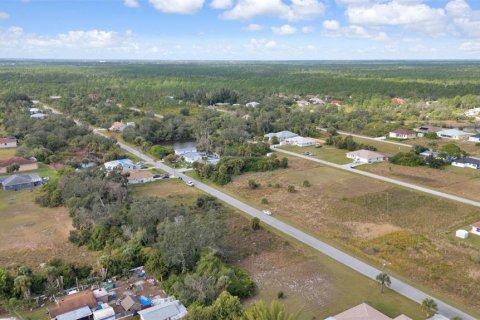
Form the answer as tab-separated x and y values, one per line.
105	313
101	295
462	234
131	303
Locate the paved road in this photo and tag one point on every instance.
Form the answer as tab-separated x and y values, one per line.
346	259
369	138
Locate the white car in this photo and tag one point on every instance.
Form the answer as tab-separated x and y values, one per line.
267	212
190	183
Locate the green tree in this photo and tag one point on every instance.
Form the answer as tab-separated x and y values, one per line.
227	307
451	150
291	188
384	280
255	223
276	311
430	307
274	141
6	283
22	284
13	167
252	184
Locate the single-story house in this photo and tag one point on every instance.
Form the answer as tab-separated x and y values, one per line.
25	164
472	112
82	313
421	131
20	181
131	303
105	313
365	312
168	309
475	228
184	147
453	134
38	116
467	162
8	143
101	295
438	317
192	157
137	176
402	134
429	153
474	138
299	141
122	164
77	301
120	126
365	156
252	104
281	136
462	234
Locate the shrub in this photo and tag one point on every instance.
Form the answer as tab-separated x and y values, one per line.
280	295
409	159
431	135
291	188
252	184
306	183
264	201
255	223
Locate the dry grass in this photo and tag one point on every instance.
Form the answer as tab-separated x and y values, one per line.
7	153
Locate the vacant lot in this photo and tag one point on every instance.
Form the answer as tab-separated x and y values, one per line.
30	234
327	153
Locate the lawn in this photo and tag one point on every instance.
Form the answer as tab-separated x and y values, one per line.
383	147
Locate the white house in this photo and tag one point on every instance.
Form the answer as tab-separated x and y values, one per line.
184	147
467	162
365	156
474	138
462	234
122	164
168	309
252	104
475	228
402	134
120	126
281	136
192	157
105	313
453	134
299	142
8	143
34	110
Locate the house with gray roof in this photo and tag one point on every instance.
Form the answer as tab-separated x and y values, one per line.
20	181
281	136
168	309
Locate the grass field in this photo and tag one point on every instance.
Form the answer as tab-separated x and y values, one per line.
308	279
383	147
377	221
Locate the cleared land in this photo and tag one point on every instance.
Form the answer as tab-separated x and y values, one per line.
322	286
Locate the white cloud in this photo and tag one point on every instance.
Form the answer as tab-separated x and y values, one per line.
221	4
465	20
131	3
470	46
178	6
308	29
332	28
457	8
284	30
253	27
4	15
261	44
296	10
331	25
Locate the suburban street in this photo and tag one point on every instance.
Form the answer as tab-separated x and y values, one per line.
367	270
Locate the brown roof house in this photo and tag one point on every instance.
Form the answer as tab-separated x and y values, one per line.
131	303
25	164
74	307
8	143
364	312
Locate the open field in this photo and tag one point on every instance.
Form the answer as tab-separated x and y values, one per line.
327	153
308	279
30	234
376	221
7	153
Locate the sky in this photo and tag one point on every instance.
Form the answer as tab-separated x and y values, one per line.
240	29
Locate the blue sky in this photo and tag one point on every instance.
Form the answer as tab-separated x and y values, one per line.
240	29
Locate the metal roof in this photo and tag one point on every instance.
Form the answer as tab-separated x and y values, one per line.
164	311
75	314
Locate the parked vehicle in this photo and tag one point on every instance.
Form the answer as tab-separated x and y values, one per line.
267	212
190	183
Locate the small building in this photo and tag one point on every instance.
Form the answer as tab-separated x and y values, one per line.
101	295
24	164
467	162
429	153
38	116
192	157
421	131
472	112
8	143
131	303
77	302
462	234
474	138
121	126
281	136
252	104
19	182
167	309
475	228
365	156
303	103
299	142
137	177
364	312
105	313
121	164
402	134
453	134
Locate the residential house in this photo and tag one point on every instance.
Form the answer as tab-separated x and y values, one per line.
121	126
438	317
421	131
122	164
467	162
299	141
252	104
8	143
76	306
18	182
281	136
105	313
453	134
474	138
137	176
429	153
192	157
38	116
365	156
131	303
25	164
402	134
167	309
364	312
475	228
184	147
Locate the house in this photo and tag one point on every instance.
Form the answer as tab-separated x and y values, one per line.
122	164
303	103
167	309
137	176
281	136
38	116
475	228
8	143
34	110
467	162
474	138
402	134
453	134
252	104
438	317
365	312
18	182
55	97
299	141
131	303
25	164
365	156
421	131
105	313
120	126
462	234
192	157
429	153
74	306
184	147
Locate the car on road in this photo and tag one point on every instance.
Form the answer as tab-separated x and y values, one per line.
157	176
267	212
165	176
308	153
190	183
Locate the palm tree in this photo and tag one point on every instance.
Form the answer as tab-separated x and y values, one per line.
276	311
22	285
430	307
384	280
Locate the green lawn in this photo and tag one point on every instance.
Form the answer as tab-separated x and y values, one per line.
383	147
